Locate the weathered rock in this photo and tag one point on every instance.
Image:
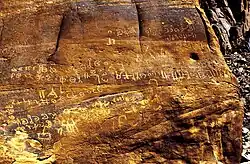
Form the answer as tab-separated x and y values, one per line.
226	16
114	82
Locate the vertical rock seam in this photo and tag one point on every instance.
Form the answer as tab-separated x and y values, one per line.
54	57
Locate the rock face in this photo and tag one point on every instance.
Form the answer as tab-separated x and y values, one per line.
114	82
230	20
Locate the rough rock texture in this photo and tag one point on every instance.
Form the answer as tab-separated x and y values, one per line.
114	82
240	65
230	20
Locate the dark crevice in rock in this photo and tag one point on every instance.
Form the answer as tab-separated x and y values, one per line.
44	158
1	31
2	26
236	7
140	23
59	34
54	56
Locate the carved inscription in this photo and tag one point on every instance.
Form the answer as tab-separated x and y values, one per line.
51	95
115	73
95	74
33	122
98	109
70	97
163	24
44	124
67	126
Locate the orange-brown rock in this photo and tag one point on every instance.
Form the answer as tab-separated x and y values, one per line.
112	81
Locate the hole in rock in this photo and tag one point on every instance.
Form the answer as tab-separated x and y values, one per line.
194	56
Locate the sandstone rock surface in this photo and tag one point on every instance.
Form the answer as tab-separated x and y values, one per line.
114	81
